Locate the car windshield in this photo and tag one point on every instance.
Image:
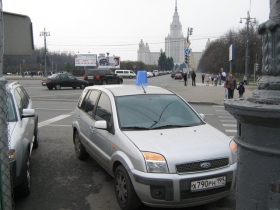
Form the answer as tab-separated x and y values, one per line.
145	112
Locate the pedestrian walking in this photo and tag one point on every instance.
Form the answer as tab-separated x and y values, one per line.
230	85
203	76
245	80
216	80
207	79
241	89
212	78
185	78
193	75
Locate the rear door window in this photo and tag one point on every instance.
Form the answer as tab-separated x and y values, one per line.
88	104
104	108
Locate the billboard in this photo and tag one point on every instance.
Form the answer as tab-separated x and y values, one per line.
108	62
85	59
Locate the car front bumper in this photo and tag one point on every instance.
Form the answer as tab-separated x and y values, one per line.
173	190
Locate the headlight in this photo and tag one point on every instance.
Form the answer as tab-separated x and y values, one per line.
12	154
155	162
233	148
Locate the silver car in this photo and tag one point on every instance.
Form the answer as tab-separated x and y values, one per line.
23	136
158	149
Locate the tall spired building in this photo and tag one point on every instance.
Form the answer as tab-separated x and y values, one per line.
175	42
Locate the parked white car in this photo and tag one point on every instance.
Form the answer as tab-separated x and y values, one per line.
158	149
149	74
24	136
155	72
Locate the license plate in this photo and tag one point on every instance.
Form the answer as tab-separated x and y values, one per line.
207	184
44	83
90	77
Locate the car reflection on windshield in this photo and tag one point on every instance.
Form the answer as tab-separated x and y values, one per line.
146	112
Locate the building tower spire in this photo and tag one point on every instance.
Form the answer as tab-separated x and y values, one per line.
176	7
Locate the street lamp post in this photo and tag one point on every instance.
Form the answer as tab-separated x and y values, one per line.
44	33
248	20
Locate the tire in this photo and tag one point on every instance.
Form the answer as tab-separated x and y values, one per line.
104	82
36	135
120	81
80	151
57	87
125	193
25	188
74	88
50	88
82	86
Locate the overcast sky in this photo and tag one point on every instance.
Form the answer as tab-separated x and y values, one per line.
117	26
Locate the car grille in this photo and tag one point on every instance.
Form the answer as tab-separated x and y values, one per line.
186	194
195	166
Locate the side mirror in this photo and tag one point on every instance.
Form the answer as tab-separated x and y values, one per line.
202	116
101	124
28	113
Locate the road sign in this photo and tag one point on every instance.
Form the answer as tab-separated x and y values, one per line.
187	51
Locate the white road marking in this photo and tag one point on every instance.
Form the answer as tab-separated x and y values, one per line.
220	110
228	120
230	117
56	125
218	106
229	125
47	122
231	131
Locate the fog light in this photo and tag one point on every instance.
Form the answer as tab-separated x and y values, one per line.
158	192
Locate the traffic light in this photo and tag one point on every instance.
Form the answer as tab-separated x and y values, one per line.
257	66
187	58
191	31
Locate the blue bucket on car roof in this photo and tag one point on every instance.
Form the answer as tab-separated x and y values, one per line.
141	79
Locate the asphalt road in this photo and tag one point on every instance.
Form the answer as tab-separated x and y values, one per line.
62	182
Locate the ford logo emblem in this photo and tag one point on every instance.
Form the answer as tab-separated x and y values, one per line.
205	165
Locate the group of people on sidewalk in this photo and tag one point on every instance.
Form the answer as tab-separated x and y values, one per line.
231	85
193	76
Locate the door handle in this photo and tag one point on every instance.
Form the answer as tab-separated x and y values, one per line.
91	128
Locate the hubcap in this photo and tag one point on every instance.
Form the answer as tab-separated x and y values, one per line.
121	187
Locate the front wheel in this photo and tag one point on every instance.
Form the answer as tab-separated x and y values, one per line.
74	88
104	82
82	86
57	87
125	193
120	81
36	136
25	188
80	151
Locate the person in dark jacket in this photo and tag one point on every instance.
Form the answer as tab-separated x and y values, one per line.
241	89
185	78
193	75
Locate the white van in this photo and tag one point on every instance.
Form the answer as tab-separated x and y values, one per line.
125	73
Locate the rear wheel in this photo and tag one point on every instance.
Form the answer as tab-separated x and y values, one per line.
125	193
104	82
57	87
120	81
50	88
80	151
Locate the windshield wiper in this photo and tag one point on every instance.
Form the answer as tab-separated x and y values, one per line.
134	128
169	126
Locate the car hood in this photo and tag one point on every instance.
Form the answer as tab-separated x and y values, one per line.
186	144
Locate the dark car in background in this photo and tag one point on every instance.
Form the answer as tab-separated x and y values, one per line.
101	77
63	80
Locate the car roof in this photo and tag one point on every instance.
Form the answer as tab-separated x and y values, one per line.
124	90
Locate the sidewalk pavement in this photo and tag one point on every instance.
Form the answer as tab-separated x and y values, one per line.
202	94
199	94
